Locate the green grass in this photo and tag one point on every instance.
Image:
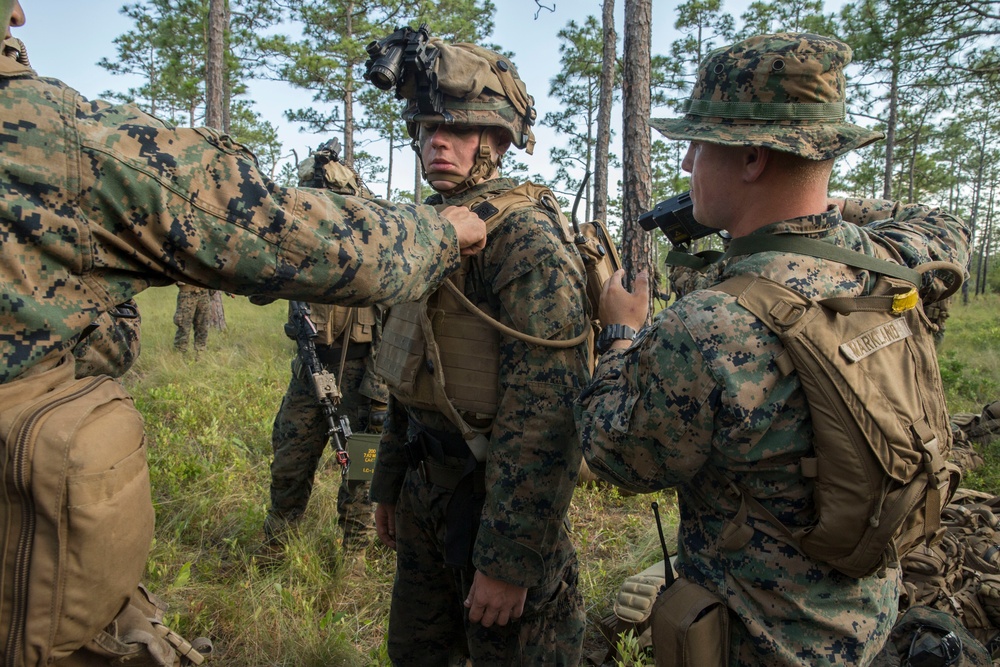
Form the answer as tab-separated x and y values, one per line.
208	429
970	354
208	425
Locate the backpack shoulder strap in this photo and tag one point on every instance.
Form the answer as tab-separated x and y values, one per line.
749	245
492	208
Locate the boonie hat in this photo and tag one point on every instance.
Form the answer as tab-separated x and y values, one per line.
783	91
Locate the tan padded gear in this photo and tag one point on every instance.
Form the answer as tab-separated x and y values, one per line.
481	88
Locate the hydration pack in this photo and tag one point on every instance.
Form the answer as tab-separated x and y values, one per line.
868	367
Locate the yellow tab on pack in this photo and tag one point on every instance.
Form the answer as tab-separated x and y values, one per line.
902	302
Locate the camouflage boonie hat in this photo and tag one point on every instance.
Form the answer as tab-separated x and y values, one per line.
480	88
784	91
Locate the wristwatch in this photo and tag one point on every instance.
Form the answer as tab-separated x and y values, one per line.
610	334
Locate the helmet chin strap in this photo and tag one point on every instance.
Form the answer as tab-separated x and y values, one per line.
481	169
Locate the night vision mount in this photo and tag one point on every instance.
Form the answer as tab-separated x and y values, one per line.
675	218
404	61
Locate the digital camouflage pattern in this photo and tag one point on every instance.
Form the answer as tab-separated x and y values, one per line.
299	434
113	346
784	91
535	282
699	391
101	201
192	314
299	439
684	279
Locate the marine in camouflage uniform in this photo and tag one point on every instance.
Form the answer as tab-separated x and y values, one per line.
102	201
696	398
299	435
484	565
193	306
99	202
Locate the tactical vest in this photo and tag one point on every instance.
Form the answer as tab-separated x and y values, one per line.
332	321
443	353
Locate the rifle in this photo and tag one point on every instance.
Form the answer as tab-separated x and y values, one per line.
301	329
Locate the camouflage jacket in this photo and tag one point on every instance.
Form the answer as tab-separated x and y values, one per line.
536	283
99	202
698	392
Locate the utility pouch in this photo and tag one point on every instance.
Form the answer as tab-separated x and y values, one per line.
77	513
690	627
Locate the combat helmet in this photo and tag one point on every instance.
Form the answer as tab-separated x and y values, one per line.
784	91
478	87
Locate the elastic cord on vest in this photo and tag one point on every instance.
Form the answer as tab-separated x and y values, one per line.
514	333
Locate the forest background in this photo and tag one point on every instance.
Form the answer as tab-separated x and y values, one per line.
925	72
289	75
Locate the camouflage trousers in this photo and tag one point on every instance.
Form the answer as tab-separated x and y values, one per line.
428	623
298	439
193	305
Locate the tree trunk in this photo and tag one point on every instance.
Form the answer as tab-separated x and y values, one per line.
637	245
349	92
604	114
227	89
215	66
974	212
989	238
890	131
214	110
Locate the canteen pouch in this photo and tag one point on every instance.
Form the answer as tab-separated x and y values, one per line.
77	514
690	627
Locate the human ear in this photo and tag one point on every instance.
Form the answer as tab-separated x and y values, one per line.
755	159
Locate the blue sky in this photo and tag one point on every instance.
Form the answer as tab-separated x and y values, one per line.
66	38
